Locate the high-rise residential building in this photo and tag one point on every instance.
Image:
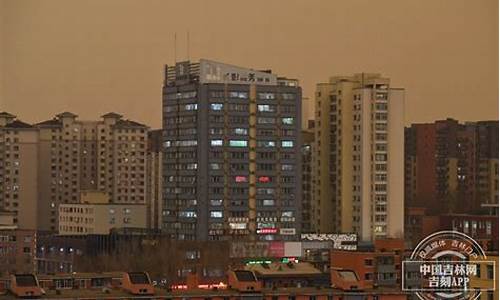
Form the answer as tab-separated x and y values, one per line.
307	180
154	184
107	156
487	156
451	167
18	170
232	151
358	157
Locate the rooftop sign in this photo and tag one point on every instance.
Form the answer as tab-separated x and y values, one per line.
216	72
341	241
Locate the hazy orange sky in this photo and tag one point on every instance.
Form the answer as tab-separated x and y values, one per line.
95	56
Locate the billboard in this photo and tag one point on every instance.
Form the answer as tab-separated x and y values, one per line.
340	241
216	72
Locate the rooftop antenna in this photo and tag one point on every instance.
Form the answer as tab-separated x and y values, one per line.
187	41
175	47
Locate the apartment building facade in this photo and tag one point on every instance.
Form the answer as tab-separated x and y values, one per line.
358	157
99	218
451	167
307	180
154	185
17	246
231	153
107	155
18	170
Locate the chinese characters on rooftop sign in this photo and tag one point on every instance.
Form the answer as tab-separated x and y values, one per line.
341	241
215	72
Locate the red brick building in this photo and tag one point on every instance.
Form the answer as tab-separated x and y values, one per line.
378	266
451	167
482	228
17	251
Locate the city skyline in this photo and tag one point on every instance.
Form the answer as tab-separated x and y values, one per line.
100	57
258	150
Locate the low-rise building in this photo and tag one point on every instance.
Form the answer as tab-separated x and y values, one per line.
376	266
291	274
482	228
99	218
244	285
17	246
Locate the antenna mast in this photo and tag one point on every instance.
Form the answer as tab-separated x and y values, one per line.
175	47
187	45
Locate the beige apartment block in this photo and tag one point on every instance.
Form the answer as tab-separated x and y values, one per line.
358	157
100	218
107	156
18	170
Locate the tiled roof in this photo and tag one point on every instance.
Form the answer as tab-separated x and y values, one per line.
128	123
6	114
52	122
18	124
67	114
112	115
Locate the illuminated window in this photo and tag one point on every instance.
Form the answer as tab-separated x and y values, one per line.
266	108
192	106
215	166
264	179
216	214
266	144
216	106
216	143
216	202
241	131
241	179
187	214
238	225
286	144
238	143
287	121
268	202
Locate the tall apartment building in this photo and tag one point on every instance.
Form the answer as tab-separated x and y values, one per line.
487	158
232	153
107	156
154	184
451	167
358	157
18	170
307	180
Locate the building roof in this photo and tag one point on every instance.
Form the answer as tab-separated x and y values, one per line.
66	114
52	122
129	123
5	114
80	275
112	115
18	124
282	269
